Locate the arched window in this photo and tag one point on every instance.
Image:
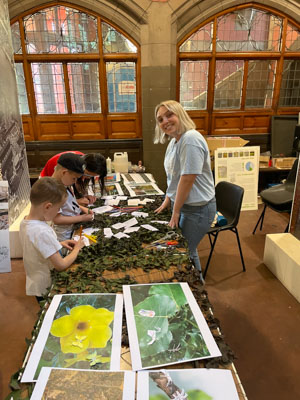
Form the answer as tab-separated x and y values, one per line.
238	69
77	75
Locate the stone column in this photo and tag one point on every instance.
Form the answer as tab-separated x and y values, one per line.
158	72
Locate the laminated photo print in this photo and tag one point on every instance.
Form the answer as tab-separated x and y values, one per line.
165	325
197	384
79	331
70	384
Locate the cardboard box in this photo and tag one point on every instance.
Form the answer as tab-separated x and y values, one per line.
283	162
264	161
216	142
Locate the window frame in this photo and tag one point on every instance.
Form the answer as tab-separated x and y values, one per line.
106	125
214	121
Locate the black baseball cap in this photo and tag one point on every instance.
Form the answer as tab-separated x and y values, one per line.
73	162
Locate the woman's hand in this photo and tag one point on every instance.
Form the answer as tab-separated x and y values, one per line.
166	203
174	221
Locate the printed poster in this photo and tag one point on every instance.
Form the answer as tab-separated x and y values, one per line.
239	165
138	178
81	331
201	383
71	384
165	325
143	189
113	189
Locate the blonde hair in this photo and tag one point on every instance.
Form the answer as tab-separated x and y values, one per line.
47	189
185	120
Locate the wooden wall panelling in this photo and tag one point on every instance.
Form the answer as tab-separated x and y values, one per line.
121	126
89	127
39	152
27	127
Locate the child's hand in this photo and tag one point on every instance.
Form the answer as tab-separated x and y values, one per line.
79	244
91	198
68	244
87	217
83	201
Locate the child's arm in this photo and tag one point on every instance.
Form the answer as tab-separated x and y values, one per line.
72	219
85	210
61	263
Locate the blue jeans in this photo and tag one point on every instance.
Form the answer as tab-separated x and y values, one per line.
194	223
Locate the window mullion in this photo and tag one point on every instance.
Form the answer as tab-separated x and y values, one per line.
67	88
102	76
244	88
211	79
279	69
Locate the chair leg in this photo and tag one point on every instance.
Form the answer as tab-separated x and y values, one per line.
210	239
211	251
240	248
287	228
260	220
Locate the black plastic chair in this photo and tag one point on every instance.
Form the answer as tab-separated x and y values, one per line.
279	198
229	202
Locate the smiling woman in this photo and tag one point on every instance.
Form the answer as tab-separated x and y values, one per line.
190	192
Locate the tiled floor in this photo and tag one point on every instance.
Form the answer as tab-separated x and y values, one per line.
258	316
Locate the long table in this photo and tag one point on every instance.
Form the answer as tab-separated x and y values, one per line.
107	265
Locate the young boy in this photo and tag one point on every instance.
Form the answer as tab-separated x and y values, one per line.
41	249
70	166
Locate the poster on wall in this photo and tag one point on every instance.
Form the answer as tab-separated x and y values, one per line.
78	331
13	158
197	383
5	263
165	325
239	165
70	384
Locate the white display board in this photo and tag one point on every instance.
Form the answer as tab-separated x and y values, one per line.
5	263
239	165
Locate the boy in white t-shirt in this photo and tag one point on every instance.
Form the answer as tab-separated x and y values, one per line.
41	249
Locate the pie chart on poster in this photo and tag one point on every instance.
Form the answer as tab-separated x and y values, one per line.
249	166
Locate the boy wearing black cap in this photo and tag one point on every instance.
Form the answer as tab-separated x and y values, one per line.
70	166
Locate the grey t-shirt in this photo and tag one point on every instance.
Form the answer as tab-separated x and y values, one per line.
190	155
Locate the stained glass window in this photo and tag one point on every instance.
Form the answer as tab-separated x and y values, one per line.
115	42
193	84
290	86
249	29
49	88
228	84
200	40
22	95
84	87
60	29
292	42
16	40
260	83
121	86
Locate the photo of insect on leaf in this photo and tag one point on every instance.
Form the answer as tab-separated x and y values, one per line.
191	384
168	325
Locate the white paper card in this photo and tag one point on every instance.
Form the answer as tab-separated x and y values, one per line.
149	227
